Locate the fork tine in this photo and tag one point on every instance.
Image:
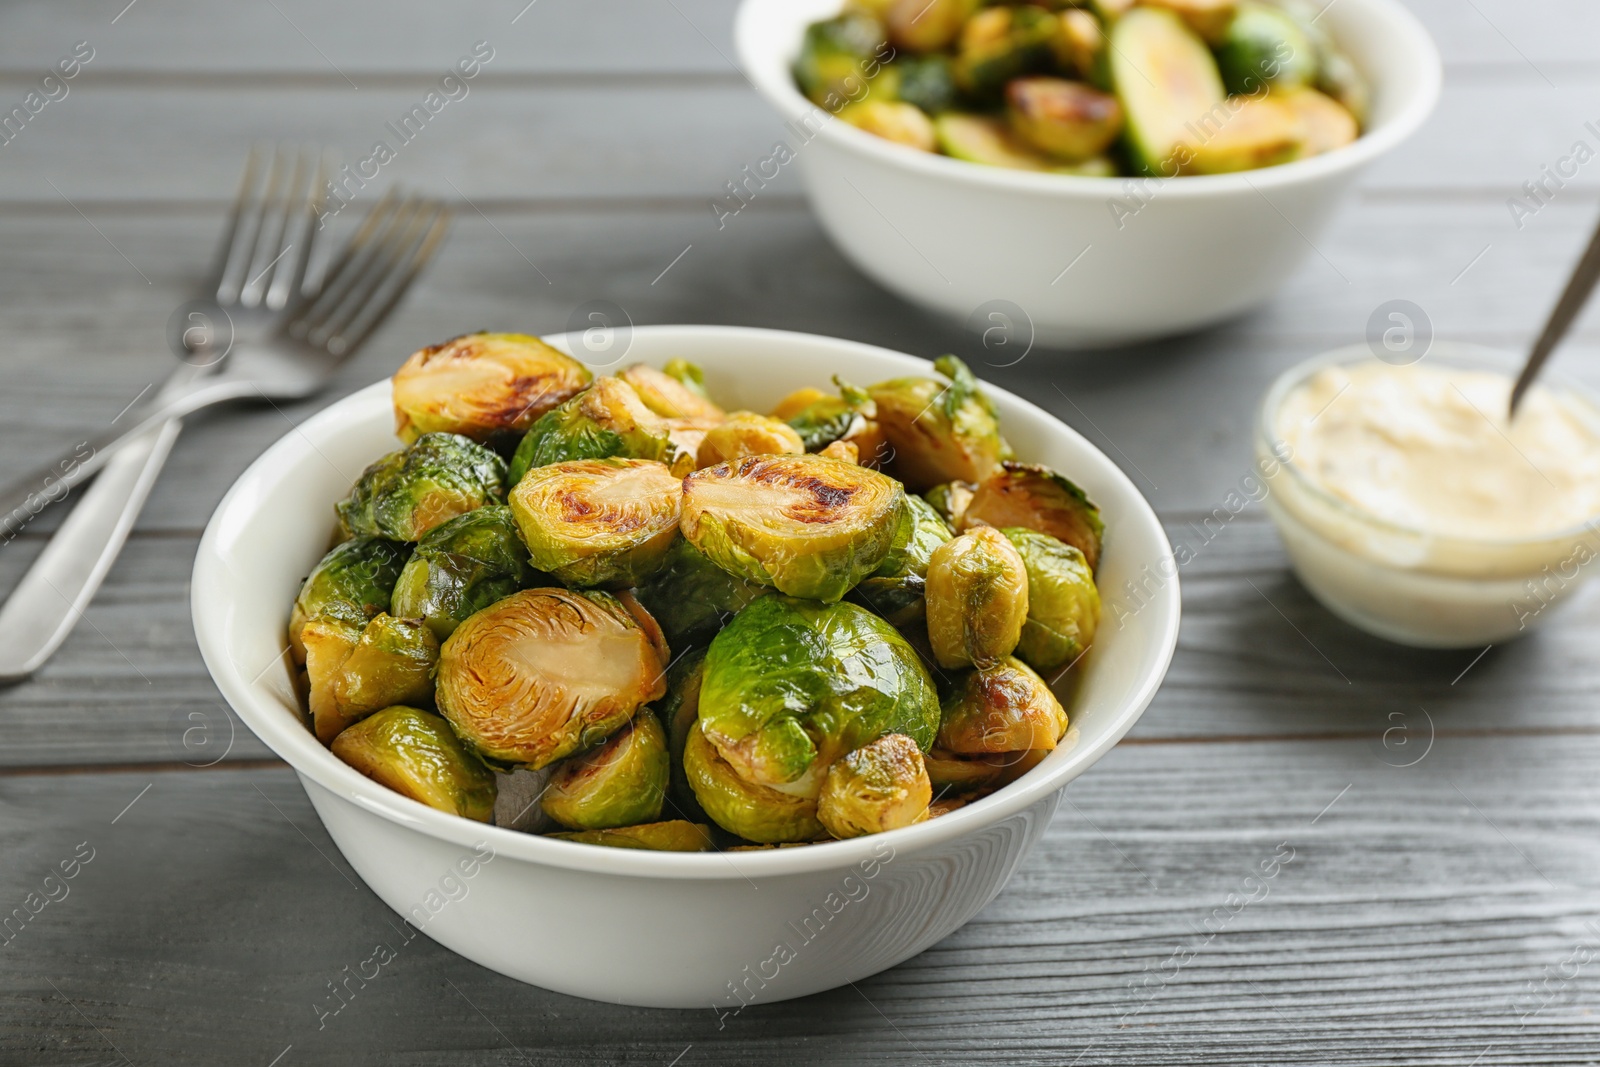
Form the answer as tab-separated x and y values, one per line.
247	243
282	198
354	283
299	231
230	230
336	276
243	228
382	300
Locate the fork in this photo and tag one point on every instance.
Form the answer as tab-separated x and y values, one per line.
259	272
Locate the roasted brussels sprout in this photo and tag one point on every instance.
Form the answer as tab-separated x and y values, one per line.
680	395
1065	119
1001	43
462	566
991	141
607	419
1338	77
679	709
1327	123
755	812
407	493
487	386
598	522
791	684
1006	708
893	120
1063	602
414	753
1257	133
1264	47
1208	18
353	671
880	786
842	450
821	419
895	589
950	500
1030	495
1081	46
836	56
807	525
621	783
929	82
744	433
546	673
977	599
940	431
674	835
692	598
351	584
796	402
927	25
1168	83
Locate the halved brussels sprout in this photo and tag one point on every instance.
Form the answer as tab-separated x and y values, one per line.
880	786
977	599
1063	602
407	493
796	402
842	450
546	673
1255	134
460	567
1208	18
792	684
1002	43
1263	46
1167	81
414	753
744	433
834	55
1007	708
1328	124
927	25
674	835
487	386
621	783
390	661
755	812
940	431
1081	46
1068	120
1030	495
822	419
679	710
692	598
351	584
598	522
607	419
895	589
807	525
893	120
929	82
672	396
950	500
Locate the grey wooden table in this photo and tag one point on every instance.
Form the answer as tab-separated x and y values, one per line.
1441	904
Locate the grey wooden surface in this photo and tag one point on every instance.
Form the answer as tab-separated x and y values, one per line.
1441	907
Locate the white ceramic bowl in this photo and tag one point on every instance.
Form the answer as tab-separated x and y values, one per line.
647	928
1157	257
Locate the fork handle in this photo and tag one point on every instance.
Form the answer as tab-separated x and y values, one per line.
53	594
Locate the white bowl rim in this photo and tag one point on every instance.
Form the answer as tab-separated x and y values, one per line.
297	745
765	66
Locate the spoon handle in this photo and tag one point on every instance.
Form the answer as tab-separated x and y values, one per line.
1567	308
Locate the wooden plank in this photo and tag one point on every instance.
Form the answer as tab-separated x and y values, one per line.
1415	917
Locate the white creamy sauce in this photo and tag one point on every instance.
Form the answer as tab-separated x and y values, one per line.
1429	448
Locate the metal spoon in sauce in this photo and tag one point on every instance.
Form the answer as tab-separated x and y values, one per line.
1579	287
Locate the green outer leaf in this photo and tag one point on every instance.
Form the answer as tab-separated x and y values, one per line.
692	598
462	566
407	746
1063	601
895	590
440	473
352	583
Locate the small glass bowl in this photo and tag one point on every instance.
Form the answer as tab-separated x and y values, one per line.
1406	585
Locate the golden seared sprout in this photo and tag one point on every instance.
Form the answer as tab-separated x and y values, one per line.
880	786
950	500
1037	497
606	419
927	25
460	567
414	753
893	120
1063	602
672	396
744	433
686	436
1006	708
940	430
1328	124
753	811
621	783
546	673
791	684
895	590
797	401
1068	120
1001	43
487	386
1080	45
823	419
1256	133
837	57
1168	83
1210	19
353	671
692	598
977	599
351	584
674	835
407	493
598	522
845	450
808	526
